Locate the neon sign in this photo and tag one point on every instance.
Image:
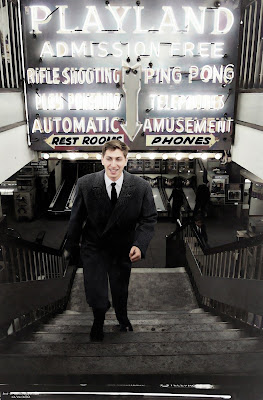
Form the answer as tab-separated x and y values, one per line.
154	74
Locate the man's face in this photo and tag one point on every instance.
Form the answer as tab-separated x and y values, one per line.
114	163
198	223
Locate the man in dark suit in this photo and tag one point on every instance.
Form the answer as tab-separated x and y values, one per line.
115	214
200	230
202	199
178	200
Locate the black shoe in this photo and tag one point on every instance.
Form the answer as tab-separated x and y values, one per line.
96	333
126	326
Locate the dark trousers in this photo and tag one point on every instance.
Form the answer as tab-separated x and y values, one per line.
200	208
107	269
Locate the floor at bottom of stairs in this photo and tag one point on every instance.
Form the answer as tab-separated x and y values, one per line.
135	387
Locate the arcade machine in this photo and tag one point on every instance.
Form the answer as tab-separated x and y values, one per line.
163	175
150	170
66	193
60	202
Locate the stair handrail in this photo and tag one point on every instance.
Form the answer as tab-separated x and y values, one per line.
163	193
35	282
26	244
228	279
245	242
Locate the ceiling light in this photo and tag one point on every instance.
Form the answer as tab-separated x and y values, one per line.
98	156
165	156
179	156
138	156
59	156
46	156
204	156
218	156
73	156
152	156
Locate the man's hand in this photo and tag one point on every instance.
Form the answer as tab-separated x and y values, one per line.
135	254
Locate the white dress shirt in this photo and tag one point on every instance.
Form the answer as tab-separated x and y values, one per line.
108	183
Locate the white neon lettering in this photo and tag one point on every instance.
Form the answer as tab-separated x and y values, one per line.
48	125
62	49
169	128
148	75
62	27
47	50
176	75
158	124
118	49
191	18
92	21
222	14
203	49
229	73
217	50
37	126
168	21
113	129
67	125
138	14
80	51
103	51
206	73
78	126
115	11
189	125
35	20
193	73
200	126
188	49
139	48
174	49
50	101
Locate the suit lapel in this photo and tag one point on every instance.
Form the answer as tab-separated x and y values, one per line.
100	191
126	193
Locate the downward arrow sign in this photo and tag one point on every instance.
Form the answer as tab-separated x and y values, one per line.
131	84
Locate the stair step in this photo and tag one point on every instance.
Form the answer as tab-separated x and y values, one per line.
139	326
193	318
249	363
149	288
141	337
128	349
140	312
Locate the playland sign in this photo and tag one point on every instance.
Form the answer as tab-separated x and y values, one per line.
152	73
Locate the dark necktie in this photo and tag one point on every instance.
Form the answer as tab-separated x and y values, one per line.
113	194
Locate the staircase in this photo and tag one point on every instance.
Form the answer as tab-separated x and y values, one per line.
172	337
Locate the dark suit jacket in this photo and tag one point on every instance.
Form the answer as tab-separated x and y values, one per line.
131	223
202	235
178	198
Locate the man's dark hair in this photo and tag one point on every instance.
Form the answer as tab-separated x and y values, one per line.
115	144
199	218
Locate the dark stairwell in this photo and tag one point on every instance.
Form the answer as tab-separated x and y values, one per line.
176	339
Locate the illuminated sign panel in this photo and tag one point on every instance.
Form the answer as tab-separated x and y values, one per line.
157	74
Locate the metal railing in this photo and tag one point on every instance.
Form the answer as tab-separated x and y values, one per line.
251	57
10	51
241	260
228	278
35	283
23	261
